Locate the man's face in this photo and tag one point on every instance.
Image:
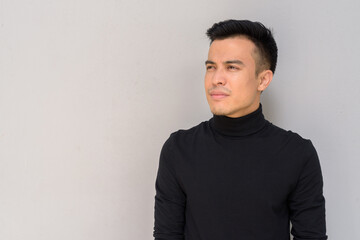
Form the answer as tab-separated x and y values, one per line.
231	85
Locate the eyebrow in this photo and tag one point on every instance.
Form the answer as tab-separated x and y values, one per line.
235	62
226	62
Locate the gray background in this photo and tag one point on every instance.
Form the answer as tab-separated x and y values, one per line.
90	90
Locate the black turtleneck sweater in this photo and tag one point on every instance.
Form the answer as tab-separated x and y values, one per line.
238	178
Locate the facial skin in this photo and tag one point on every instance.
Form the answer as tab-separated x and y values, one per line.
232	87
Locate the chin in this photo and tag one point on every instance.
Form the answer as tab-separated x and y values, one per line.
220	112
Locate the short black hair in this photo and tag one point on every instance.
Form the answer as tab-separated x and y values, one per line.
256	32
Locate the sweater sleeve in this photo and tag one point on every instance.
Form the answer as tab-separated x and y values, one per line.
169	199
306	202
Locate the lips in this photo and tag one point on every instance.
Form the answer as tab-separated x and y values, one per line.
217	95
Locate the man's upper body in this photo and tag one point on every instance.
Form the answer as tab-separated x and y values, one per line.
237	176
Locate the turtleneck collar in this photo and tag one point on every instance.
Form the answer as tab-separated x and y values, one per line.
241	126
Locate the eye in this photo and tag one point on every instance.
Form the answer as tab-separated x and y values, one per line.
230	67
210	67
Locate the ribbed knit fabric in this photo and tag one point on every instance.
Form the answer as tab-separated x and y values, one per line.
238	179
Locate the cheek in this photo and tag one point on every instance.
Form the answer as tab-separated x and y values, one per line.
207	82
244	88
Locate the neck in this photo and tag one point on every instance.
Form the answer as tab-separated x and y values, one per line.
246	111
240	126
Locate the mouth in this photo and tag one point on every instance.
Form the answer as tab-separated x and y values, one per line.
218	95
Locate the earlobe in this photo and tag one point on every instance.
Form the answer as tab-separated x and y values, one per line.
265	79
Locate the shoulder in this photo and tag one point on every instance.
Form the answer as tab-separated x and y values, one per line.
277	131
291	139
186	137
297	153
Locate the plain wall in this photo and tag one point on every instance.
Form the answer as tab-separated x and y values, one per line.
90	90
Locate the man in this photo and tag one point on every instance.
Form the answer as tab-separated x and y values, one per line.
237	176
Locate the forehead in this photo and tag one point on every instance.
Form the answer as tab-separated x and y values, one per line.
238	47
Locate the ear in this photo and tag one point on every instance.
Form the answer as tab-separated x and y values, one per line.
265	78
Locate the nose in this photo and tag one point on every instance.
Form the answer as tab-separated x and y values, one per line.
219	77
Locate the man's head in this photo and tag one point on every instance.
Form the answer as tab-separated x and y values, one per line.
241	62
265	53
